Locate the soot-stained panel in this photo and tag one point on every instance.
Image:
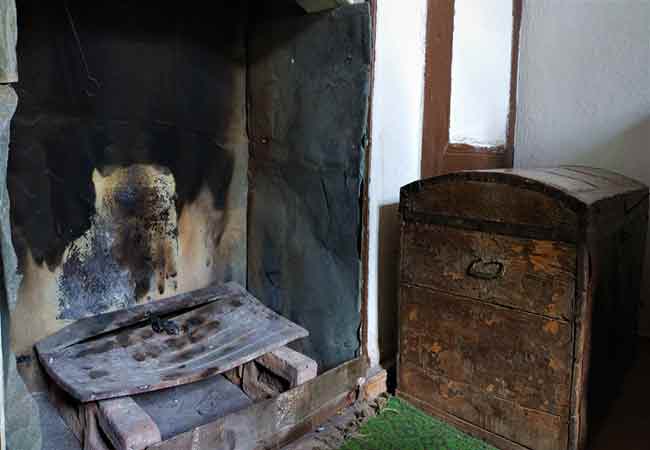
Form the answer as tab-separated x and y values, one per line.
308	87
128	163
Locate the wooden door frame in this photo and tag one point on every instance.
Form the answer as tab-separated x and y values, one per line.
438	154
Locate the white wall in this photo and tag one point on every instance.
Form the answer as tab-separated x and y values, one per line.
480	72
584	89
395	154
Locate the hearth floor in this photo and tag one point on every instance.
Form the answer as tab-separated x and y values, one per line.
356	428
56	434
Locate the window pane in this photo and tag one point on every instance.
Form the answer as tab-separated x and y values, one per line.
480	86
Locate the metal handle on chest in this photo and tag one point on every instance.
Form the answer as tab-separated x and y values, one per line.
486	270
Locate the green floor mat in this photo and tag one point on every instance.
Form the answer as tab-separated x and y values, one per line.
401	426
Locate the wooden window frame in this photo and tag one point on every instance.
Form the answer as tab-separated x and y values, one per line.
440	156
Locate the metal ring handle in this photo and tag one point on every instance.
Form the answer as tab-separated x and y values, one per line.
486	270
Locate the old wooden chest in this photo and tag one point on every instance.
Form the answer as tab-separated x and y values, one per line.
519	297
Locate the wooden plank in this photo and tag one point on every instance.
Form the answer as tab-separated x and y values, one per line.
467	157
517	7
267	423
93	438
532	275
488	199
467	427
258	384
437	85
89	327
212	339
499	418
291	365
127	425
70	410
376	384
520	358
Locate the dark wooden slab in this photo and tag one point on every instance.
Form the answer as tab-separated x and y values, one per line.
228	328
505	371
181	409
514	356
544	203
528	274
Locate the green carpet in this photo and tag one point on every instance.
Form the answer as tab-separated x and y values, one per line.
401	426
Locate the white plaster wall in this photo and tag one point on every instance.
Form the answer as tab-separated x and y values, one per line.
584	89
480	72
395	155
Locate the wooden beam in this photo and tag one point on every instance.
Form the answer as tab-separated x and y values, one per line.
517	6
93	439
294	367
437	85
126	424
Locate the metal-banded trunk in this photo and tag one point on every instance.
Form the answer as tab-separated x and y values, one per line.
519	297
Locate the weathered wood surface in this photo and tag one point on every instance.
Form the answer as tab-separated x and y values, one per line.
256	381
213	338
532	275
518	357
504	371
93	438
268	423
544	204
457	422
94	326
126	424
519	298
273	373
291	365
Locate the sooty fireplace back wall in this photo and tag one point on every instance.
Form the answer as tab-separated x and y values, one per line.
129	165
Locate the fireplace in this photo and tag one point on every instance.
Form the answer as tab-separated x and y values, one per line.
158	149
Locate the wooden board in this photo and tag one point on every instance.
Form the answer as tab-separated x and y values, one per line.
523	358
505	371
214	338
291	365
126	425
532	275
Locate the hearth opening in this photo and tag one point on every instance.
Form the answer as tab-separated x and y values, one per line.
159	149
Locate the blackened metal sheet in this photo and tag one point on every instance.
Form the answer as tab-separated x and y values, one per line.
308	87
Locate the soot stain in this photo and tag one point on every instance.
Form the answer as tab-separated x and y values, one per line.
102	348
190	353
171	376
153	351
177	343
196	321
61	135
204	332
124	340
94	374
